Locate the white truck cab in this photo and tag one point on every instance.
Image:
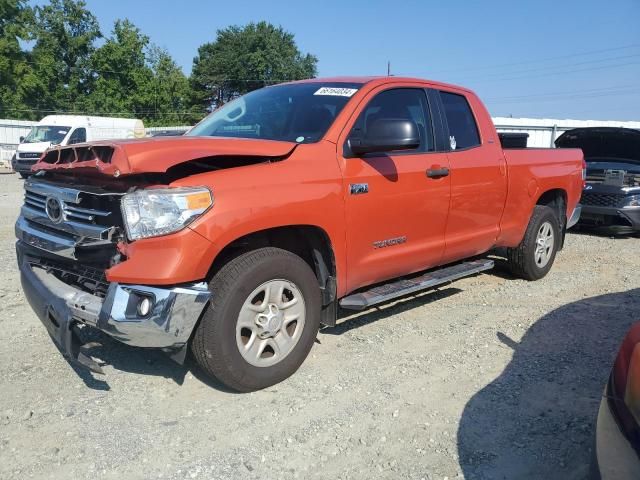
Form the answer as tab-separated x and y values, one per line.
65	130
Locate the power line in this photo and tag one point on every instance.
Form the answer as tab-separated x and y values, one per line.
573	92
90	69
567	97
84	112
551	74
567	65
542	60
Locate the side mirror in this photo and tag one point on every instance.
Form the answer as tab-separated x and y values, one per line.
386	135
21	139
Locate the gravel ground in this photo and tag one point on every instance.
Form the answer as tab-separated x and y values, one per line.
490	377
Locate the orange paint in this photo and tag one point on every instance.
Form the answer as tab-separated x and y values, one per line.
486	200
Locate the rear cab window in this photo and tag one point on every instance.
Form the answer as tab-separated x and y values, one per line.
463	130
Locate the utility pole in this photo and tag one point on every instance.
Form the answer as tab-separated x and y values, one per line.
388	68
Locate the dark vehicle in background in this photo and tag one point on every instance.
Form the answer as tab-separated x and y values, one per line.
617	441
611	197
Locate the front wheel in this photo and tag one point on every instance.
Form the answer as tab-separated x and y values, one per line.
262	320
533	258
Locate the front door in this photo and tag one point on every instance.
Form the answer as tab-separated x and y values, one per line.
396	213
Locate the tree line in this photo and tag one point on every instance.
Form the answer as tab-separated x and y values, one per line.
54	58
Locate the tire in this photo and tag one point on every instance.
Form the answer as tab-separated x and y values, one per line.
24	175
223	330
526	260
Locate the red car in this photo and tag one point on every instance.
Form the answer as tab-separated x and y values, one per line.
617	443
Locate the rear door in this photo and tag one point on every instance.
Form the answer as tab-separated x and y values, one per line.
395	214
478	178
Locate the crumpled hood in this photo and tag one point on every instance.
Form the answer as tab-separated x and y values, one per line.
599	143
155	155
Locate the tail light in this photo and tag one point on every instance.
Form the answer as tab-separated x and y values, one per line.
632	393
624	384
584	173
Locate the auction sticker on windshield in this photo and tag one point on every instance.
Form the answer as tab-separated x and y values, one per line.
337	92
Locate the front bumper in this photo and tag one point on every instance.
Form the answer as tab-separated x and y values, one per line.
619	220
21	165
168	325
575	216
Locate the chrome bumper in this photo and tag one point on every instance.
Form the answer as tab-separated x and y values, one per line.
575	216
170	322
168	325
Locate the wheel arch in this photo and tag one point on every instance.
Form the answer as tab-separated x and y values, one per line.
310	242
556	199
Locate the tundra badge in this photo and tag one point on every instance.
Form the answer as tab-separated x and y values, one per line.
389	242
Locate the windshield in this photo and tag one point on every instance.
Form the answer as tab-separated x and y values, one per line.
301	113
42	133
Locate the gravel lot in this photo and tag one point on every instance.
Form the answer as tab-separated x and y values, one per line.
490	377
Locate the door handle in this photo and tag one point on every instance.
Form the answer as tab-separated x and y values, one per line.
437	172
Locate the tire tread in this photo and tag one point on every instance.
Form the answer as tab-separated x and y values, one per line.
519	258
211	360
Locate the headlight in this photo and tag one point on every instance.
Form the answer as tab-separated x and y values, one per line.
154	212
632	201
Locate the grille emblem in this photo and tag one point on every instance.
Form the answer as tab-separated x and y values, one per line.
54	209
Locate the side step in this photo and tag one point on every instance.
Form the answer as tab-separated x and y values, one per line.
399	288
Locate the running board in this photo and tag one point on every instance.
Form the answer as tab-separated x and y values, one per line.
400	288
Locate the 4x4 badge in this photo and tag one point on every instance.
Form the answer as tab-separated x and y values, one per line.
359	188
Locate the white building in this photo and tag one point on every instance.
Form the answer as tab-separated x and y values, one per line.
544	131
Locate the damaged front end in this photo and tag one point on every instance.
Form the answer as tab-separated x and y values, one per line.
83	265
68	237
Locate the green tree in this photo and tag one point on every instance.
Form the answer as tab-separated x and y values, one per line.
131	77
170	91
16	73
120	83
242	59
65	32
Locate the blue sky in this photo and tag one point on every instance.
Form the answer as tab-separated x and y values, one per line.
561	59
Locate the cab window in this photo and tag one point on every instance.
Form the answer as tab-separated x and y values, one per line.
399	103
463	131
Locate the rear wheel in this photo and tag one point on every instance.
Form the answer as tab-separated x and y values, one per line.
262	321
533	258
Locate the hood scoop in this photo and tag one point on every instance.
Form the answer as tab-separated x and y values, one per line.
160	155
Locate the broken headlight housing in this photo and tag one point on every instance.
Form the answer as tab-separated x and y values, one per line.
155	212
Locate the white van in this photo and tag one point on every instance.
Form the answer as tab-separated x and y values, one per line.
68	130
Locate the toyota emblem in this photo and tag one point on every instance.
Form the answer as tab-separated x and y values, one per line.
54	209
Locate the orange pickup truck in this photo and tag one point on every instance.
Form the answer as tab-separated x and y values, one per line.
238	240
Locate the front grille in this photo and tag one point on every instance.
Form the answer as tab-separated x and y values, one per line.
86	278
29	155
602	199
626	179
77	223
84	213
71	212
29	163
